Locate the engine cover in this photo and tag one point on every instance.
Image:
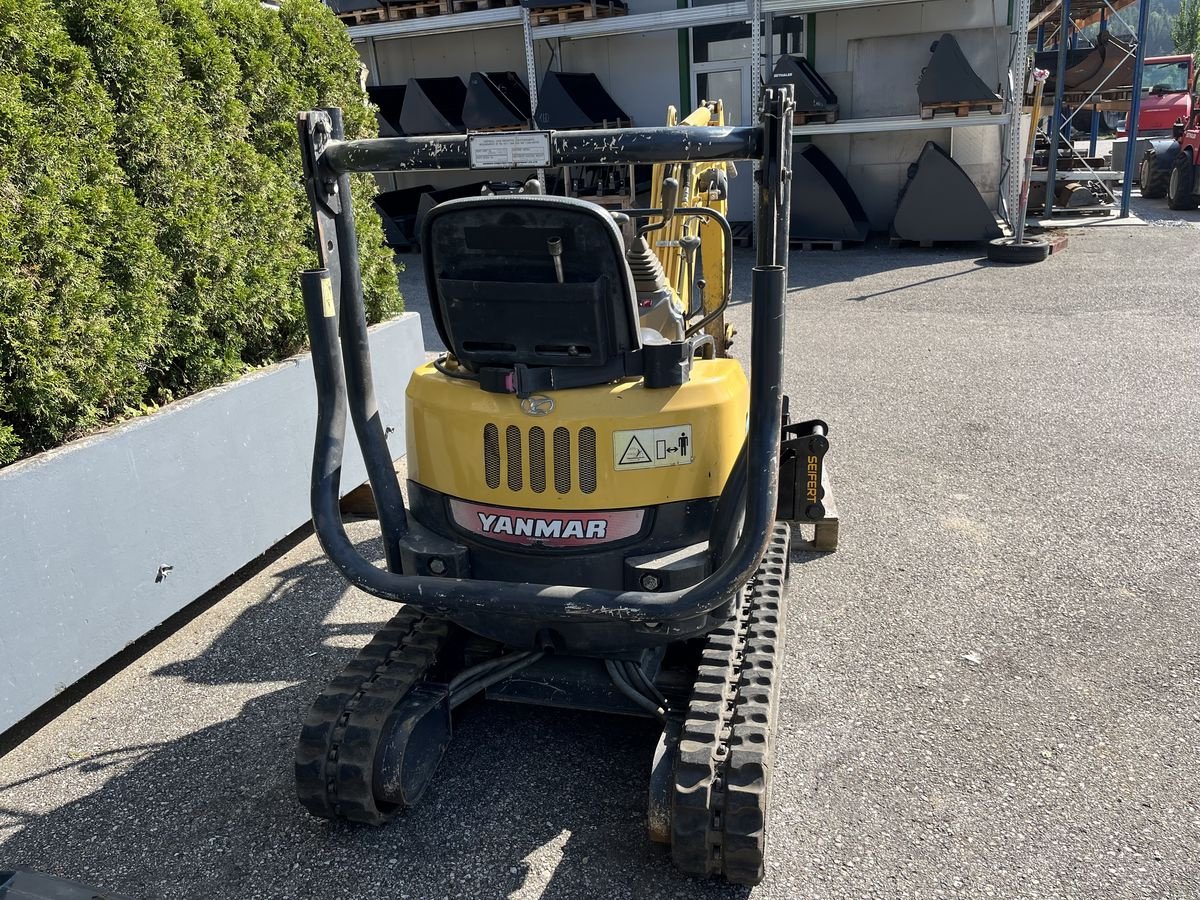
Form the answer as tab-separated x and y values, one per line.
607	447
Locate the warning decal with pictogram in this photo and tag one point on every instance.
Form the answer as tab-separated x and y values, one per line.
650	448
633	454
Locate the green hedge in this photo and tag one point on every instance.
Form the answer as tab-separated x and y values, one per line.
154	222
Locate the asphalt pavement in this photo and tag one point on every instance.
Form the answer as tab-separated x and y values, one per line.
993	687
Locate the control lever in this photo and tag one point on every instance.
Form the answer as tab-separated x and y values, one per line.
554	246
670	200
689	244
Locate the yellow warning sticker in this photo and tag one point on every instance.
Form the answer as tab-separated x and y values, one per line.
327	299
652	448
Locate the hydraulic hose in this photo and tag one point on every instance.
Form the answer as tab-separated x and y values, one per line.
639	679
622	684
462	691
555	603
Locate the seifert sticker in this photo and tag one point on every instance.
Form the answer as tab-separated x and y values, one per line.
652	448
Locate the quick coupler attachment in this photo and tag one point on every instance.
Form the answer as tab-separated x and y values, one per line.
805	493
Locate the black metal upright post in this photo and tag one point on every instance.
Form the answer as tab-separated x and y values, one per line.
337	239
774	200
1064	44
1135	106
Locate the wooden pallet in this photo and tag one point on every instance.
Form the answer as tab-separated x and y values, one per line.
828	117
559	15
898	242
402	12
1112	95
574	12
472	5
816	245
364	16
960	108
493	128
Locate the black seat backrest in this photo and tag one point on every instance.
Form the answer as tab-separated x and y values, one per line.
495	295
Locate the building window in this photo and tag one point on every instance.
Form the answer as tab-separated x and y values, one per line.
731	40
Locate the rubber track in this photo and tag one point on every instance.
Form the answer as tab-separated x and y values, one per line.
336	752
726	750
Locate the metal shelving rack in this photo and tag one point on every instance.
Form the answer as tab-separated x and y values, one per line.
738	11
1067	18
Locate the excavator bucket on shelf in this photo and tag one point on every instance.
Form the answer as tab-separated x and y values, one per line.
390	100
577	100
433	106
941	203
430	199
949	77
398	209
824	206
495	100
813	93
1108	65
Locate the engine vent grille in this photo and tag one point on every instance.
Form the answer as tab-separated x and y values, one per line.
520	446
587	460
537	459
491	455
562	460
512	438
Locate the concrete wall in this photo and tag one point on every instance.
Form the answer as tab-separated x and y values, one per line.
204	486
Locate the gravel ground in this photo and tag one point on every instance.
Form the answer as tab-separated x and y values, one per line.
993	687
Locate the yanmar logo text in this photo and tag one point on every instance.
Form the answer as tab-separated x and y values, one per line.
544	528
523	526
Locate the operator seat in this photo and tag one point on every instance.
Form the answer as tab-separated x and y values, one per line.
532	292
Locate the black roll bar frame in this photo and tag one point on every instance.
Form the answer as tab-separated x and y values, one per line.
336	318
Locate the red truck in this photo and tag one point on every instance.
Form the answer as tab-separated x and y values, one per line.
1168	80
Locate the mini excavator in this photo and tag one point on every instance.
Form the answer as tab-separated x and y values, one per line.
600	503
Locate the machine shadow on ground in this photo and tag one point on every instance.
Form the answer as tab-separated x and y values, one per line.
528	802
821	268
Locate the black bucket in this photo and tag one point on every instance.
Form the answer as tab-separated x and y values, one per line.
824	206
390	100
430	199
941	203
495	100
813	94
577	100
433	106
398	209
949	78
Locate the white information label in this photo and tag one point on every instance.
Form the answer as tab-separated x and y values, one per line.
651	448
509	150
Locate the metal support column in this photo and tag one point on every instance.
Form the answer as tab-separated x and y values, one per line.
1095	133
1135	107
531	76
769	30
1019	50
1056	116
754	9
